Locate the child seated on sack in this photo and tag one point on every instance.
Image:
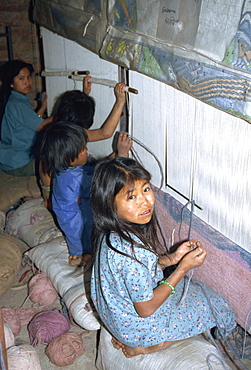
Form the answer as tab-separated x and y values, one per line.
64	154
144	311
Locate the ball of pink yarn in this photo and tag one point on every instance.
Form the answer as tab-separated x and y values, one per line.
17	317
64	349
41	290
46	326
10	317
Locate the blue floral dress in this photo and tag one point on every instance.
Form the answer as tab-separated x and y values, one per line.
120	280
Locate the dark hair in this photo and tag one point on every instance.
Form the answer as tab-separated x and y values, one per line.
109	178
61	144
8	71
75	107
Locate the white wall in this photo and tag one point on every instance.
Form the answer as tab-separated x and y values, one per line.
205	153
61	54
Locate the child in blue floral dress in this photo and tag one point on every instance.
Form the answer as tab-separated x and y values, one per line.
143	311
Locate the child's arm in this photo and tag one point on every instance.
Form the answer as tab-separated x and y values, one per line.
41	111
109	126
43	107
44	123
191	260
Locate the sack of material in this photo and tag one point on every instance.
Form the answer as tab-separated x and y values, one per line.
13	188
32	223
195	353
71	284
11	250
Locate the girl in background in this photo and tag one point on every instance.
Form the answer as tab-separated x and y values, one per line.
19	123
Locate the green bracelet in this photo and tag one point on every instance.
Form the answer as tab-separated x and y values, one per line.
170	286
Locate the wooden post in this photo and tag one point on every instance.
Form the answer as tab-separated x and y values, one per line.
2	341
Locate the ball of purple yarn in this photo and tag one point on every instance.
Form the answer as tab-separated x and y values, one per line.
46	326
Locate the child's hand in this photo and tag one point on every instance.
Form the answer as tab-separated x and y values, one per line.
124	145
87	85
181	251
193	259
184	248
119	92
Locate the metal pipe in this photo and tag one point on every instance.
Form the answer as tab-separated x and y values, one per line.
105	82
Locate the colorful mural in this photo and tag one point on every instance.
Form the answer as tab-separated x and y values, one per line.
225	84
197	46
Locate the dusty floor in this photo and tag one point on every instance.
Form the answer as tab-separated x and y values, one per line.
17	298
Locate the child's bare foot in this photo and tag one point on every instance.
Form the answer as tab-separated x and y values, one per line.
131	351
116	343
79	260
75	260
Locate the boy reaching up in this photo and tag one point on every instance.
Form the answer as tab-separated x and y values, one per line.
77	107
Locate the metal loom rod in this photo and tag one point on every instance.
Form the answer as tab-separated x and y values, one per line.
104	81
64	73
76	75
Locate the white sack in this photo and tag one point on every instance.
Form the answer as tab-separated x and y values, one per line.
52	259
192	354
32	223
